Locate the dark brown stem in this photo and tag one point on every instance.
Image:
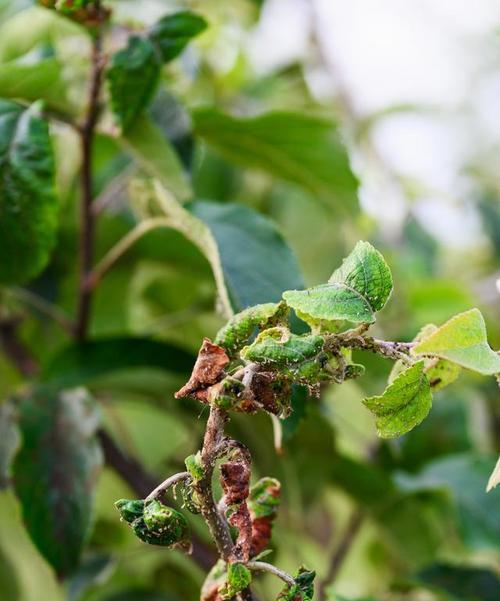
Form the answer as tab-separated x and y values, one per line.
340	552
216	523
87	224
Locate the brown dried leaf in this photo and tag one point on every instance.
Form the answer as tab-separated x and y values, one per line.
207	371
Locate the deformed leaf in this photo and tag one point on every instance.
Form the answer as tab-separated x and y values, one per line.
355	291
133	76
240	327
172	33
404	403
28	203
55	471
462	340
278	345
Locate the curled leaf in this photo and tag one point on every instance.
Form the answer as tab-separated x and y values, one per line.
238	577
240	327
279	346
302	590
208	370
155	523
263	503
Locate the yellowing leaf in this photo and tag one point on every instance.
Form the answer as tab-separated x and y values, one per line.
463	341
404	403
354	292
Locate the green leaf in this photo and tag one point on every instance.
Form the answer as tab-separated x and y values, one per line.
298	148
93	571
461	583
55	472
463	476
133	76
32	81
462	340
439	372
238	577
9	441
251	261
172	33
404	403
156	155
79	364
354	292
28	204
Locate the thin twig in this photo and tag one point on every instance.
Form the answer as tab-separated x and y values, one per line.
87	224
262	566
43	306
341	551
121	248
162	488
15	350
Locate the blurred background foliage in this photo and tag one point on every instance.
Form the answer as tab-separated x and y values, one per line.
260	109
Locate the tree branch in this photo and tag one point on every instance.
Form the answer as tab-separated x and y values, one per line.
87	224
162	488
262	566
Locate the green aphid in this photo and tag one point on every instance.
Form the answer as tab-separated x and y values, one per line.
195	467
241	326
130	509
228	394
238	577
190	499
280	347
264	498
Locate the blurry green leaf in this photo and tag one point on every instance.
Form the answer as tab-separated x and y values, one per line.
9	441
494	479
9	583
28	205
354	292
133	76
79	364
250	260
335	597
463	477
93	571
33	81
155	154
28	28
257	262
298	403
172	33
404	403
461	583
367	484
55	472
138	595
298	148
462	340
135	70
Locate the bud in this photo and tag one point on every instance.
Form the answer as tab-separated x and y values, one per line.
302	590
195	467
